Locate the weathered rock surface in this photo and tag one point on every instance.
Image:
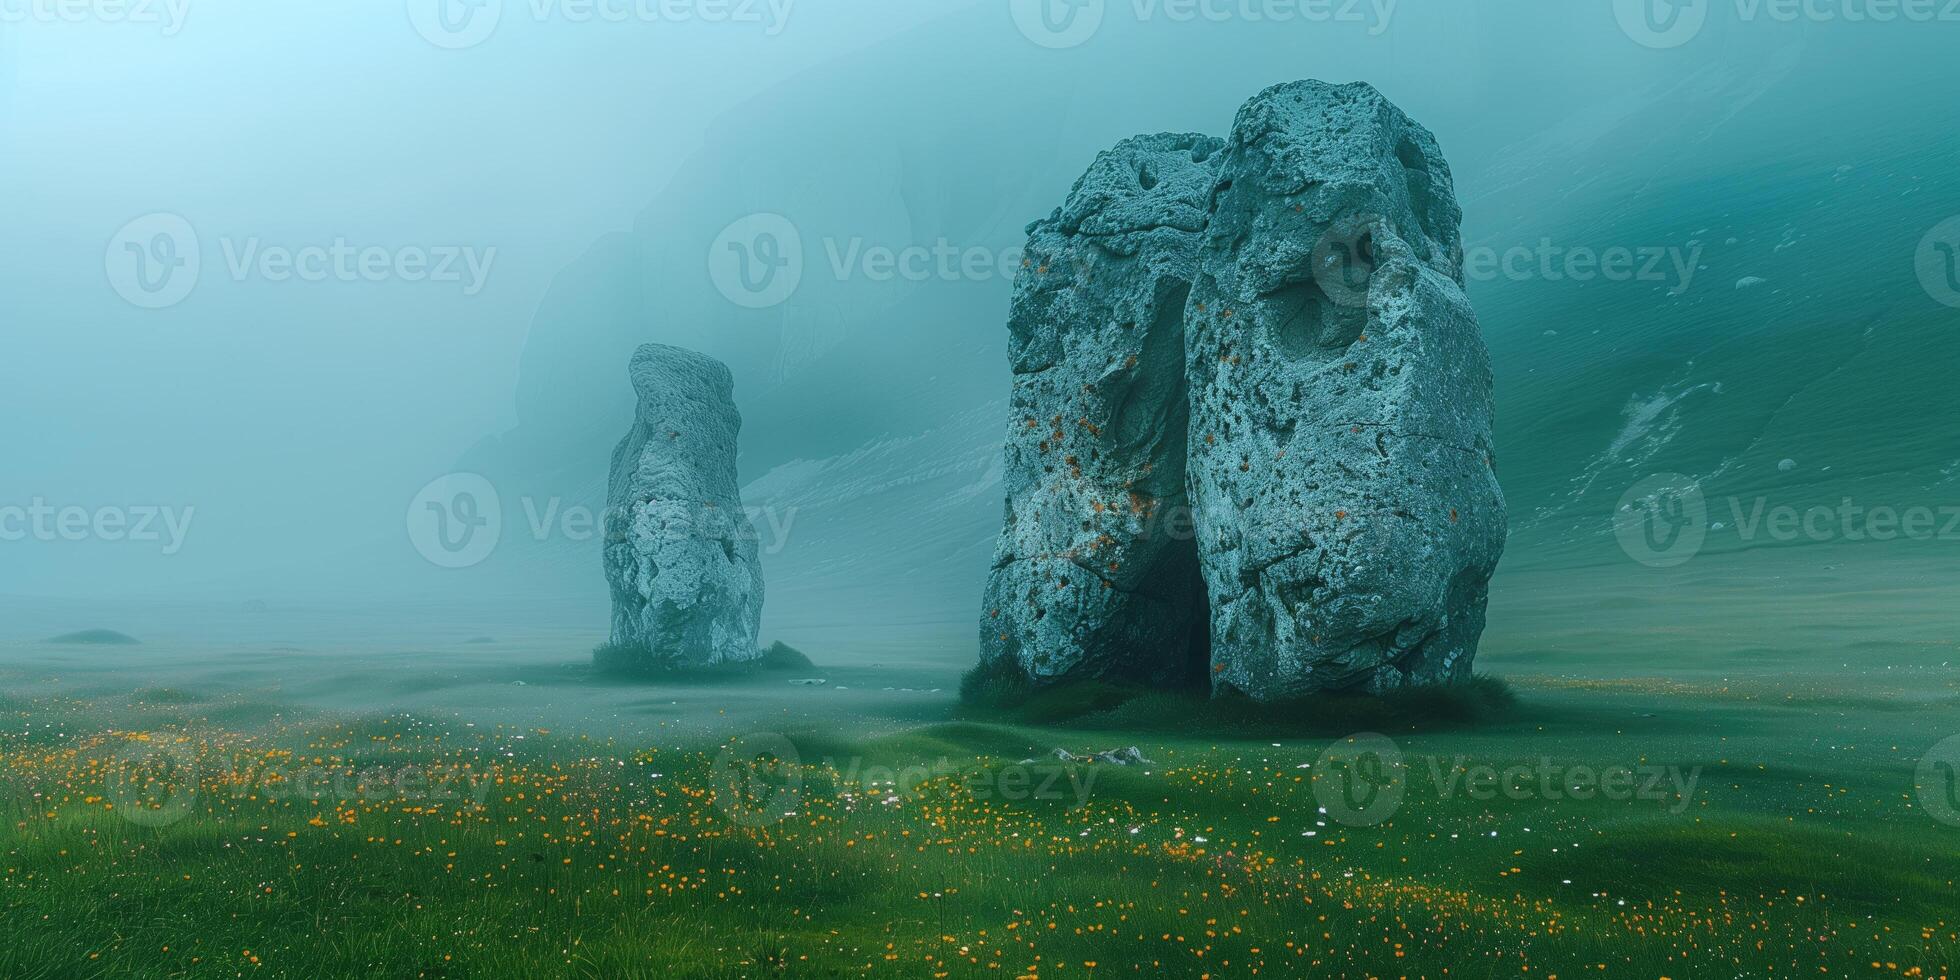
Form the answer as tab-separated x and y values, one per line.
1337	459
1349	517
680	553
1096	573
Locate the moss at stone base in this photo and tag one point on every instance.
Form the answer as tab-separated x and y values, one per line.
633	661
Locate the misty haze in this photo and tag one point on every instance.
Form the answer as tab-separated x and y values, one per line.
1012	488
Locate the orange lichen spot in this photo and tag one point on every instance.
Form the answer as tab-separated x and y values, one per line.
1340	515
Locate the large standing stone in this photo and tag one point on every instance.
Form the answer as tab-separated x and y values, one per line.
1349	517
1096	573
680	551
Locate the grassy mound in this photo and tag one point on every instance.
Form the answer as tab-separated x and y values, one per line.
1000	691
96	638
782	656
1482	701
614	660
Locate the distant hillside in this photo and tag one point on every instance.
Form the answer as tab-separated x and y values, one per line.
871	404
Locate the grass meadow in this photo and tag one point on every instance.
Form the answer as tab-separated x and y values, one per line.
1680	796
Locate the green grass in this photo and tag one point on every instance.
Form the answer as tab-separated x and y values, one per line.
999	691
600	838
630	662
96	638
914	852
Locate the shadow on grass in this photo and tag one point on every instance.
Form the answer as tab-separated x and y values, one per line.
636	666
999	692
95	638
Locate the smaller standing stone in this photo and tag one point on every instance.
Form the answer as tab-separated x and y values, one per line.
680	553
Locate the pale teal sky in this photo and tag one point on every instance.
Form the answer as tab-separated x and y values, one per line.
301	123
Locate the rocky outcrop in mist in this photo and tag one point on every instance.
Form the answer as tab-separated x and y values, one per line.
680	553
1325	423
